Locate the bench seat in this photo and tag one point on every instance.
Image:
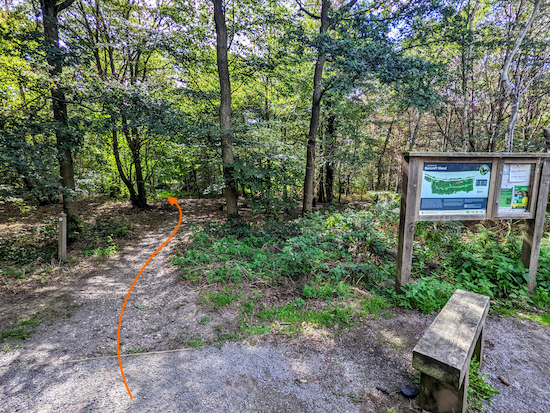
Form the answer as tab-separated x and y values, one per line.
444	353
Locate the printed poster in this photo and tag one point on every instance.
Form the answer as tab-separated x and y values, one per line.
454	188
515	190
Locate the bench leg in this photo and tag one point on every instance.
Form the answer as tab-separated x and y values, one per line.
439	397
478	350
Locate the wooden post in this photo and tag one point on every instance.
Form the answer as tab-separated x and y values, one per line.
62	255
533	231
407	218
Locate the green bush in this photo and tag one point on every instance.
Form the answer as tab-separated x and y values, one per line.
426	295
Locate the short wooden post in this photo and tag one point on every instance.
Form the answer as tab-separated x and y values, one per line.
62	237
533	231
407	218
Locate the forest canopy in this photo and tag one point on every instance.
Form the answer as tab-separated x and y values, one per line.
276	101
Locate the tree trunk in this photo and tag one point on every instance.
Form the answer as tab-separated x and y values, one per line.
315	115
59	105
133	139
388	175
466	57
121	173
321	190
515	91
135	148
382	153
414	132
546	133
329	156
230	189
512	123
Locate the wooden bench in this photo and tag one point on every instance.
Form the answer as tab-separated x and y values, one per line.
443	354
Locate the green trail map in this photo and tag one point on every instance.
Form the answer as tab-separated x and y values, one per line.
450	186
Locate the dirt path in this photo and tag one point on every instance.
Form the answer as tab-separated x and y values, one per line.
70	365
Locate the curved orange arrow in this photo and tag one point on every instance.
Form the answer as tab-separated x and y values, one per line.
172	202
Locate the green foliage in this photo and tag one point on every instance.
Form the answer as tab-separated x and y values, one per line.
137	350
320	318
479	389
270	172
258	330
541	298
323	250
31	322
221	299
101	236
426	294
31	243
543	319
482	261
326	290
196	342
16	334
248	306
490	267
320	247
373	306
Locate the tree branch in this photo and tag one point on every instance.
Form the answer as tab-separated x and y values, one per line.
505	79
348	6
313	16
62	6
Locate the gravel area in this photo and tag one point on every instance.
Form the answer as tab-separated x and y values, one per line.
70	365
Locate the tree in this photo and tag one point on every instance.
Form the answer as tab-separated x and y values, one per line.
65	142
516	90
123	42
355	40
466	69
326	21
226	138
28	166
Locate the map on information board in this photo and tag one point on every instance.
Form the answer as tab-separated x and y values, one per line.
454	188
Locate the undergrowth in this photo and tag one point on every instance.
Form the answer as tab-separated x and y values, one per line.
479	389
329	253
31	252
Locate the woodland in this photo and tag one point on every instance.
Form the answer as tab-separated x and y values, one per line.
286	103
280	125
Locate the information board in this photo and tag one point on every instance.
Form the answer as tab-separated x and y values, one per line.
463	186
515	189
454	188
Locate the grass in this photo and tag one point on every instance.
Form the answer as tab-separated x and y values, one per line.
62	306
16	334
31	322
374	306
543	319
9	348
218	300
337	267
196	342
247	330
137	350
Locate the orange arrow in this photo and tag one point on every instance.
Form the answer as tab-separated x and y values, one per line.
172	201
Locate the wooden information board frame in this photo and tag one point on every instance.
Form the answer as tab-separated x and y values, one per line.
533	212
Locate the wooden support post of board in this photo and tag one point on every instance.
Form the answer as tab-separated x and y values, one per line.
407	218
62	254
532	234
